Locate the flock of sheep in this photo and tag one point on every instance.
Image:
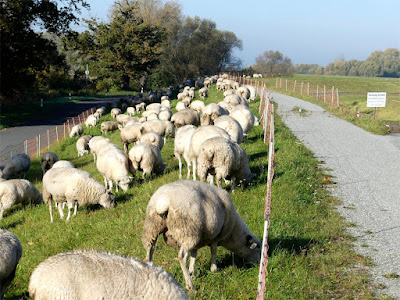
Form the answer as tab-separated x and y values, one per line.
189	214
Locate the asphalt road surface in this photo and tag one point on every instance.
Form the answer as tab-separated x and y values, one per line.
366	171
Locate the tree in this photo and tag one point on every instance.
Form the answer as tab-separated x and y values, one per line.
24	52
273	63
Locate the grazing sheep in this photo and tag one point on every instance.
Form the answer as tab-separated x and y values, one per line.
229	92
244	92
197	105
90	274
47	160
223	158
115	112
199	136
140	107
75	187
231	126
147	158
165	115
210	113
16	165
153	138
185	117
181	146
154	107
236	100
76	131
180	105
91	121
131	134
96	143
244	116
163	128
107	126
192	215
97	115
82	145
227	106
101	110
130	111
165	102
121	118
17	191
203	92
130	121
10	254
63	164
253	92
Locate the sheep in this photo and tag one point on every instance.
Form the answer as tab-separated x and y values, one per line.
77	275
107	126
185	117
91	121
130	111
121	118
131	134
203	92
236	100
10	254
113	164
244	92
181	146
96	143
163	128
72	185
130	121
82	145
166	102
182	95
153	138
225	105
16	165
231	126
76	131
223	158
187	100
115	112
253	92
47	160
165	115
211	112
244	116
192	215
101	110
229	92
147	158
152	116
97	115
192	93
197	105
153	106
17	191
180	105
199	136
140	107
63	164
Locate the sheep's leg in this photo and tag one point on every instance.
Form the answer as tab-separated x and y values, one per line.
213	248
1	211
51	211
233	183
189	165
75	208
193	254
180	167
70	206
110	184
182	257
219	181
116	187
194	169
60	210
210	179
105	183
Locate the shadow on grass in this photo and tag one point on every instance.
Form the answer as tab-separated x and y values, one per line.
13	225
295	245
22	296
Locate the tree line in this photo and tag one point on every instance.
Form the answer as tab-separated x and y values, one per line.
146	44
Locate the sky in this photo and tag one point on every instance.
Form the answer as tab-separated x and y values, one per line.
307	31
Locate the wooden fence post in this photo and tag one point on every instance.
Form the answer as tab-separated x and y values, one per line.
48	140
337	97
286	85
57	134
324	93
301	89
294	86
308	88
317	91
333	90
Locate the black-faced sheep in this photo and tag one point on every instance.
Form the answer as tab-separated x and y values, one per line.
47	161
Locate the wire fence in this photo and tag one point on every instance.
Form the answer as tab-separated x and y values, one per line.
42	142
266	112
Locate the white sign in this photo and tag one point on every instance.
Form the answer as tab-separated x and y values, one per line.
376	99
87	72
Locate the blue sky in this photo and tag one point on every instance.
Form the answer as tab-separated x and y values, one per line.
307	31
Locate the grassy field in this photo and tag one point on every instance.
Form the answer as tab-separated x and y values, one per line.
310	255
353	97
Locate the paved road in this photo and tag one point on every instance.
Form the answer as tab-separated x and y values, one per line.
366	169
32	128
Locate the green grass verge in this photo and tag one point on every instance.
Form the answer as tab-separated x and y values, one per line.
310	255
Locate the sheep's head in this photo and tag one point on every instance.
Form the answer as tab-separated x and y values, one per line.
107	200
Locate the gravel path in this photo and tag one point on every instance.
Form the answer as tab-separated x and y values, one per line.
366	170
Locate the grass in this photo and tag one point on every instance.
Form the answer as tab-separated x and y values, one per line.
310	254
353	97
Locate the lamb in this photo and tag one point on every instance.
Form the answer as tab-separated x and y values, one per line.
91	121
131	134
192	93
211	112
107	126
17	191
163	128
115	112
187	100
76	131
96	143
223	158
153	138
47	160
130	111
16	165
82	145
63	164
72	185
231	126
147	158
10	254
76	275
244	116
185	117
192	215
181	146
199	136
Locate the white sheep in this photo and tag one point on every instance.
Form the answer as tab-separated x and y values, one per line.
253	92
244	92
130	121
140	107
153	138
210	113
82	145
185	117
121	118
227	106
236	100
163	128
199	136
147	158
10	254
75	187
16	165
76	131
90	274
130	111
17	191
131	134
223	158
192	93
115	112
203	92
231	126
166	102
180	106
63	164
229	92
181	146
107	126
47	160
244	116
165	115
96	143
197	105
91	121
192	215
101	110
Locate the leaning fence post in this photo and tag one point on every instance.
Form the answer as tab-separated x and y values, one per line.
48	140
26	146
38	146
57	134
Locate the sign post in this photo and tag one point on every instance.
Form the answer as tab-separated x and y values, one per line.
87	76
376	100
